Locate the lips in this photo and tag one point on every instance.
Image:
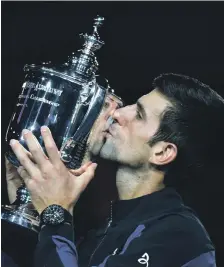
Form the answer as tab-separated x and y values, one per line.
110	129
107	131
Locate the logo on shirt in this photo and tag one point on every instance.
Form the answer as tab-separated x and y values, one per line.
144	259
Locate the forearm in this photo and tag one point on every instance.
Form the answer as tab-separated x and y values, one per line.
56	247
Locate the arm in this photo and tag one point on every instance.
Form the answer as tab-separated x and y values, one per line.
56	247
168	248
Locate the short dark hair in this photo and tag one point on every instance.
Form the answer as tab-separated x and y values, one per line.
193	122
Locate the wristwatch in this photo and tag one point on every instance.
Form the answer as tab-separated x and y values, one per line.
55	215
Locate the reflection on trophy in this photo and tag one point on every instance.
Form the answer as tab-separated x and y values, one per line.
69	100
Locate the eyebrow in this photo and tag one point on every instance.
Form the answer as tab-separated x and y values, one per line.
141	109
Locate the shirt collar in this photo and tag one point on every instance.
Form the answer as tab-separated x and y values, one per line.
146	206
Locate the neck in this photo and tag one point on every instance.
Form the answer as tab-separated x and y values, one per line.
133	183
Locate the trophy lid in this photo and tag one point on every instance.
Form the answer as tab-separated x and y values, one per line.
84	63
93	42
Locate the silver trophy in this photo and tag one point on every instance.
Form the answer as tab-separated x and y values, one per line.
72	103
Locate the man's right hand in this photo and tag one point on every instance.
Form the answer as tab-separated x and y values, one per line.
13	180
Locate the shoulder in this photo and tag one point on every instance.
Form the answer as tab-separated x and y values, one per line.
179	224
173	240
179	237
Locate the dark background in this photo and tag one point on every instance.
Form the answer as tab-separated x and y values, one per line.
142	40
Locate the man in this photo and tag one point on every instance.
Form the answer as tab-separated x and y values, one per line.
173	129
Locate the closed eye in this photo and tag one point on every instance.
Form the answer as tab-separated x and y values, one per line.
138	115
141	114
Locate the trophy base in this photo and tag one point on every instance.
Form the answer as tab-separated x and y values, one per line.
22	216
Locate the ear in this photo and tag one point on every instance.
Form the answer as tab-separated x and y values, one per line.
163	153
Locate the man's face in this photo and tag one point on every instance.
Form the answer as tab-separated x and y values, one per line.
98	132
128	138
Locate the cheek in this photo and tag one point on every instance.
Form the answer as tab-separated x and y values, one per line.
135	146
146	132
153	128
138	140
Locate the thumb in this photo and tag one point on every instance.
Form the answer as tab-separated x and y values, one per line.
9	167
11	173
81	170
89	174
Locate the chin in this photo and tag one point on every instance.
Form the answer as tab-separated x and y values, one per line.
96	147
108	151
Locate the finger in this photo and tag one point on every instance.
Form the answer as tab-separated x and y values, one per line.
81	170
35	148
23	158
10	167
24	174
50	146
29	154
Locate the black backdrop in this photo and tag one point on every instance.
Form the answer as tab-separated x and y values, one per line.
143	39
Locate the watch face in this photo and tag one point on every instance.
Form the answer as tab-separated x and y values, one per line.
53	214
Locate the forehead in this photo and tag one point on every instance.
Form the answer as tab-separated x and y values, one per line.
154	102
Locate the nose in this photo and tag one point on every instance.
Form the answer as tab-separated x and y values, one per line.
119	116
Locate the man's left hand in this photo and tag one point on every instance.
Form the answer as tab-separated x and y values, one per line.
48	180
